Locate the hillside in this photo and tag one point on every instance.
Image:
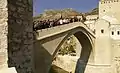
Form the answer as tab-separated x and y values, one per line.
65	13
93	11
56	14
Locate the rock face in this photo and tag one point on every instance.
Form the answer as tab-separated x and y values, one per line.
16	40
66	62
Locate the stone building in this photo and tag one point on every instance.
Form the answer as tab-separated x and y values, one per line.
115	32
90	24
91	17
108	34
90	21
16	40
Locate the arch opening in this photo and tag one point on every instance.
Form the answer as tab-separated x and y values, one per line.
84	53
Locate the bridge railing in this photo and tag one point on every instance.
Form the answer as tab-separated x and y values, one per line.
59	29
49	28
59	26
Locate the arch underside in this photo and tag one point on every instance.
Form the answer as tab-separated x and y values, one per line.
85	40
86	53
47	48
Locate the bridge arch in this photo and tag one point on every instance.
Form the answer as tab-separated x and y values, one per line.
86	42
48	43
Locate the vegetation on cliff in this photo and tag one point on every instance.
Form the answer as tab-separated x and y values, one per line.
68	47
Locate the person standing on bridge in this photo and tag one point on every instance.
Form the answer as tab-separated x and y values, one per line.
51	24
61	21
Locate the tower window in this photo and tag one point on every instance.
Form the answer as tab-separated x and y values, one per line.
112	32
118	32
102	31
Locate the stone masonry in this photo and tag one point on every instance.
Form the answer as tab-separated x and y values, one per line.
16	30
3	33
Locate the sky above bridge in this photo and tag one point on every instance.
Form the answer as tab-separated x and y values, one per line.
79	5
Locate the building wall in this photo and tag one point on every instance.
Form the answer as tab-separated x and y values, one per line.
92	17
115	32
110	8
91	24
16	32
90	21
3	33
20	35
102	43
115	47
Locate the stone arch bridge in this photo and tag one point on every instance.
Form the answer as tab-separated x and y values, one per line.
48	42
17	50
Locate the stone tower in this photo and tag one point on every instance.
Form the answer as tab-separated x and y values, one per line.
108	36
103	46
110	8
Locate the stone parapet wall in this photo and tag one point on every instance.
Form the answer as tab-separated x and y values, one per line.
3	33
115	55
20	35
16	35
108	1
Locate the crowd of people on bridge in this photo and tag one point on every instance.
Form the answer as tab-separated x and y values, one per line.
43	24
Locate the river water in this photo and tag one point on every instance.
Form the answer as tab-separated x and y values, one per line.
56	69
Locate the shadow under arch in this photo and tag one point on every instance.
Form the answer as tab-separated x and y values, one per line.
86	53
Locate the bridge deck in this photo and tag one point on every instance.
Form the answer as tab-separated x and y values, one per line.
59	29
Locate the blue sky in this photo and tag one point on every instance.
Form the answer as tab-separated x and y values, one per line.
80	5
